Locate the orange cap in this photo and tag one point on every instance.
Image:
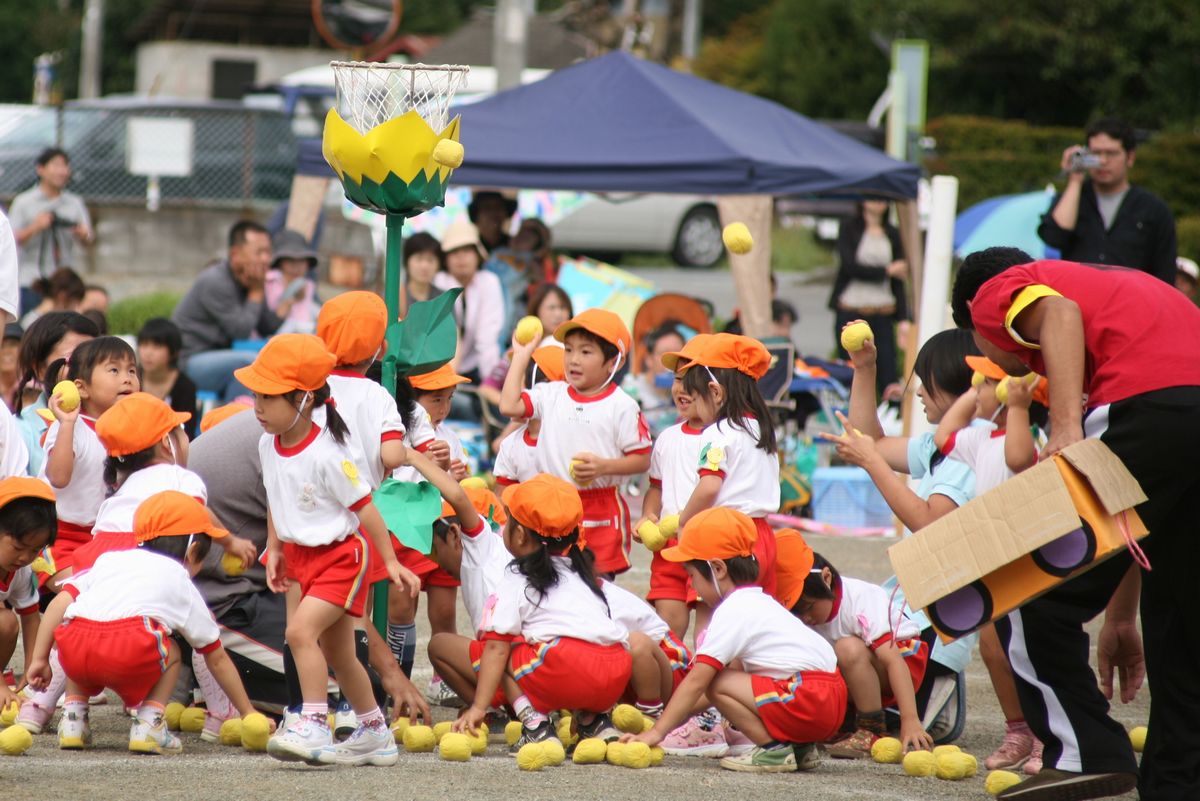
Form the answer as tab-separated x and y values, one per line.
441	378
743	354
545	505
24	487
485	502
693	348
221	414
716	533
603	324
1041	392
173	514
136	422
287	363
352	326
793	561
986	367
551	361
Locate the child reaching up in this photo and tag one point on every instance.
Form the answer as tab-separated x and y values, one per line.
326	543
771	676
516	460
27	525
593	434
113	626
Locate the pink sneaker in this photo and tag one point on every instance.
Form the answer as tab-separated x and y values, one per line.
692	740
1033	766
738	743
1014	751
33	718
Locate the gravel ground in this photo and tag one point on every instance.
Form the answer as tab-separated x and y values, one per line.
204	771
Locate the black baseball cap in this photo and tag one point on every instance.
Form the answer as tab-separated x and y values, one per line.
13	331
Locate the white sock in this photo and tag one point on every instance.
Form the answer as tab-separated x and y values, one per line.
530	718
218	703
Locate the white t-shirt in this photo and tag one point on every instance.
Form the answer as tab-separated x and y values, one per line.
14	453
21	591
568	609
517	458
751	626
980	446
372	417
484	558
673	465
609	425
10	292
445	434
313	489
751	475
141	583
418	439
79	501
864	612
116	513
633	613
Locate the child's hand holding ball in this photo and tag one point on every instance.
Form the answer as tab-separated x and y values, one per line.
859	341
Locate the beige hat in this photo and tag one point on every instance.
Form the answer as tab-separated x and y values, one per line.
1188	267
461	234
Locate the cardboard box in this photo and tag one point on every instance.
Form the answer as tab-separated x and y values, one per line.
1021	539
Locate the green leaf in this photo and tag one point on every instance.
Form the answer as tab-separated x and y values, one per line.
427	337
409	509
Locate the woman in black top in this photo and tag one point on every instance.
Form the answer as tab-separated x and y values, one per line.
159	343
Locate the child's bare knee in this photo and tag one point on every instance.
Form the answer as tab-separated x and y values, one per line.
639	644
851	650
10	626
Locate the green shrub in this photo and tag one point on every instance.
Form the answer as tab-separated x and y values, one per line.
129	315
1187	233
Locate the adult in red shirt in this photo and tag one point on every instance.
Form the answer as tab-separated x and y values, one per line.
1122	352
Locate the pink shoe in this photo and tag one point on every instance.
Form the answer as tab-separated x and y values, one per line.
211	733
33	718
1014	751
691	739
1033	766
738	743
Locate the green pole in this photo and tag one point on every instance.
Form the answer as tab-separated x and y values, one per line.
391	296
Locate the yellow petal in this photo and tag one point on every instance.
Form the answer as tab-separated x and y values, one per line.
402	146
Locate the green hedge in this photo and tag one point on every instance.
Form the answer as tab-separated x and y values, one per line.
129	315
1187	232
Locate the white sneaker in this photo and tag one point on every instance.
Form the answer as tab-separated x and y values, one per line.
438	693
368	745
153	738
74	732
344	720
304	740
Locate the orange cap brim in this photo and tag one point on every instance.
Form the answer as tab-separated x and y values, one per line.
439	382
261	384
986	367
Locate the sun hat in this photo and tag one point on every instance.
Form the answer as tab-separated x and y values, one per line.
691	349
15	487
173	514
463	234
716	533
289	244
442	378
545	505
485	502
746	355
599	322
352	326
287	363
136	422
793	563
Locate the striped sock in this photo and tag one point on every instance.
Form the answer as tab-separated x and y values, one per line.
402	641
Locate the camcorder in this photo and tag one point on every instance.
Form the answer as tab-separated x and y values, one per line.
1083	160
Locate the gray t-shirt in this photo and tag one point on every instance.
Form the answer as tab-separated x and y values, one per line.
45	252
1109	205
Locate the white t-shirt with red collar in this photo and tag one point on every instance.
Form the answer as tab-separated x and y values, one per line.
20	590
419	439
750	475
980	446
372	417
116	513
141	583
673	465
484	558
633	613
517	459
751	626
608	424
313	488
80	500
862	609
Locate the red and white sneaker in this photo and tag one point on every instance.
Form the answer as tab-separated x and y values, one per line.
1014	751
692	739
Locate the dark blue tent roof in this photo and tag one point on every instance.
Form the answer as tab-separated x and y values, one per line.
620	124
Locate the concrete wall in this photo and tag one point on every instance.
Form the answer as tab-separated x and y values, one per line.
184	69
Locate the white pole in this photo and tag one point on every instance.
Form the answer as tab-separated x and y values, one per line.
510	41
89	61
691	30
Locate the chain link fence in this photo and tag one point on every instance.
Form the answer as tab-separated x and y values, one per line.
240	155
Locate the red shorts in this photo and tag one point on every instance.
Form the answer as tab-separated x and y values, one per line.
69	538
668	580
808	707
679	655
764	552
475	648
916	658
566	673
340	573
606	528
127	656
425	568
86	555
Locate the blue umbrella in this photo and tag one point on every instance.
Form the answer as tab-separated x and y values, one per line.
1009	220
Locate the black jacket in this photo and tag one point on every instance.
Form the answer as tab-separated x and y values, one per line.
1142	234
849	235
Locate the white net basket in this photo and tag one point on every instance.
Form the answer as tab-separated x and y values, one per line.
370	93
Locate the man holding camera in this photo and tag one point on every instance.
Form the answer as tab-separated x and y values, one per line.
1101	218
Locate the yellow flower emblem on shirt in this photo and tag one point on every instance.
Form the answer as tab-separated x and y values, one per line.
351	470
713	458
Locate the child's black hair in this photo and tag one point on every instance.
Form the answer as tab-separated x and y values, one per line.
667	329
322	397
86	358
117	468
441	527
976	270
23	517
815	588
40	340
422	242
175	546
1039	415
742	570
161	331
541	574
941	364
607	348
742	399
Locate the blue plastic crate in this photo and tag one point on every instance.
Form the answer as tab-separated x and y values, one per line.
846	496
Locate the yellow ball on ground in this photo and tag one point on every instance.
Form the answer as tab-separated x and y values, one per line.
855	334
651	536
918	763
591	751
1137	737
15	740
628	718
1000	780
68	395
971	762
419	739
637	755
553	752
951	766
565	735
455	747
737	238
529	329
440	730
232	565
512	732
398	729
531	757
615	754
669	525
887	750
9	716
656	756
938	750
647	724
231	732
192	719
448	153
256	730
479	741
171	715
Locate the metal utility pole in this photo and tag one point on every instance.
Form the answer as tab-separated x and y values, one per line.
93	36
510	40
691	29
